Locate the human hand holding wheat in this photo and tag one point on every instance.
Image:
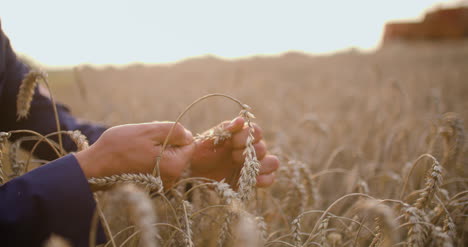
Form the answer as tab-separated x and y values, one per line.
222	158
132	149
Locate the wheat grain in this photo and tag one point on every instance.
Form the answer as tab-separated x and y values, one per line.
217	134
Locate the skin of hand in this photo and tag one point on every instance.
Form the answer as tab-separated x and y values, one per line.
225	160
133	148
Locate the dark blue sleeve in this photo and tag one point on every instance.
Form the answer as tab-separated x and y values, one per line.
41	117
54	198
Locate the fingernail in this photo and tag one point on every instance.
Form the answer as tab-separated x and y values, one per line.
188	136
231	124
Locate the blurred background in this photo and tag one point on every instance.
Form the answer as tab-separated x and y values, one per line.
130	61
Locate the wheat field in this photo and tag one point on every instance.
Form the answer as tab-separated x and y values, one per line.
372	148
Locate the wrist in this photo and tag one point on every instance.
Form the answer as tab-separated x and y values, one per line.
88	161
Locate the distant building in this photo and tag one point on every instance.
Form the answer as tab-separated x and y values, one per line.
442	24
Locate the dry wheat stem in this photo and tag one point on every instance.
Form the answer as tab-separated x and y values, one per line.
51	143
329	208
43	138
138	232
17	166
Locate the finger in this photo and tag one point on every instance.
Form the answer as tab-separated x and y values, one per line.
238	139
269	164
235	125
232	126
265	180
260	149
158	131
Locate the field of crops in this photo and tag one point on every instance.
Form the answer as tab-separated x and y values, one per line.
372	147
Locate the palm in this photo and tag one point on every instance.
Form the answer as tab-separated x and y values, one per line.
214	161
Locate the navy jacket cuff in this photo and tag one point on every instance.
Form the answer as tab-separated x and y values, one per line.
61	194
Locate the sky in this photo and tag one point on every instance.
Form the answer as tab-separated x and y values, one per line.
66	33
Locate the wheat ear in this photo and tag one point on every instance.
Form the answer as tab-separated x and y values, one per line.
296	198
26	92
296	231
25	96
3	139
385	222
79	139
453	134
418	232
153	184
185	238
251	167
142	212
217	134
433	181
322	230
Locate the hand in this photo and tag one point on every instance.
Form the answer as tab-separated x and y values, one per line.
133	148
225	160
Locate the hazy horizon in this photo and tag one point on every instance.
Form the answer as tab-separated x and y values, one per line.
61	34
